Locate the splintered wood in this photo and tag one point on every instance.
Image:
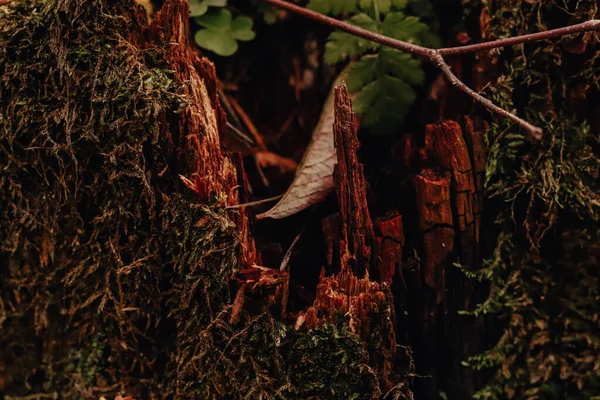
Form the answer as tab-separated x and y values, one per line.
368	305
350	184
207	172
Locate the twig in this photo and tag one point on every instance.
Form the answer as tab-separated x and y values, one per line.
254	203
248	122
592	25
535	131
241	136
436	55
288	253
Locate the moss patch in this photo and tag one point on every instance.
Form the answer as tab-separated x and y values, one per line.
544	270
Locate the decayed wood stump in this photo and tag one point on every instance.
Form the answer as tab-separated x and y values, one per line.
111	152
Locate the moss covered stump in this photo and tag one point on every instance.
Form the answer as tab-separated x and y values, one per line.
117	252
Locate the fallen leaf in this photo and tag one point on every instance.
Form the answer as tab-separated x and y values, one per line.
314	176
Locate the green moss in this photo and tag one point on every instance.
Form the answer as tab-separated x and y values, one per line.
81	150
544	270
259	357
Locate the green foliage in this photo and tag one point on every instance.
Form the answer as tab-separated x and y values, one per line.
544	272
261	358
330	363
200	7
222	31
382	78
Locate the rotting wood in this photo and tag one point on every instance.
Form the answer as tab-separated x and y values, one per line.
368	305
435	220
350	184
444	143
387	248
432	189
202	120
475	138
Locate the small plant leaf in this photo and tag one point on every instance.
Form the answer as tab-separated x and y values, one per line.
400	4
241	28
222	32
361	73
342	45
382	77
221	43
333	7
219	21
401	65
383	6
200	7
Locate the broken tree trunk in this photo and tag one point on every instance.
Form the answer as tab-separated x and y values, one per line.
114	245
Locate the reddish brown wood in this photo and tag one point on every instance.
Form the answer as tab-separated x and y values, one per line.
444	143
387	248
331	233
261	289
407	151
350	184
435	219
349	235
475	138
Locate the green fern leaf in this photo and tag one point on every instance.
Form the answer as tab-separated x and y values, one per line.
384	104
402	65
361	73
333	7
342	45
400	4
383	77
383	6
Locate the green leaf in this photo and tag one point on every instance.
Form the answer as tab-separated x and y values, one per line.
383	6
333	7
402	65
320	6
408	29
384	103
200	7
342	45
400	4
361	73
222	32
222	44
219	21
381	81
365	98
241	28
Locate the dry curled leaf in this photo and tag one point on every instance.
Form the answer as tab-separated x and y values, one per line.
314	176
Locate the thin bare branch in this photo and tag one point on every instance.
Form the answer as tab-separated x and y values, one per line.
592	25
535	131
254	203
436	55
355	30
